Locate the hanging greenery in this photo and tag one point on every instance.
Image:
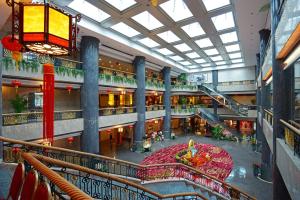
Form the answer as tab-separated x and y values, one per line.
19	104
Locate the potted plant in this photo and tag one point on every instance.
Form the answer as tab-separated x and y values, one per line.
19	104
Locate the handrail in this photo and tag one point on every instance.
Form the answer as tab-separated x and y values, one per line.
39	112
292	136
269	112
141	167
106	68
294	129
294	124
59	181
107	176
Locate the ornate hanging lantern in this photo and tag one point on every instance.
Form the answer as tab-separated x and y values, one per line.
69	88
154	3
16	84
70	140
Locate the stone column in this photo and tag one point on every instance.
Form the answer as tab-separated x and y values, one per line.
1	144
89	56
139	129
215	84
167	102
266	157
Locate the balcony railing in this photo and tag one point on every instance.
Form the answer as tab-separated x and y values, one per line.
292	135
155	107
33	117
115	79
181	87
116	111
183	109
269	117
154	84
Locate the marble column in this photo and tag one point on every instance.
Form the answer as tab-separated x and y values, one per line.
1	144
215	84
89	56
167	102
266	157
140	99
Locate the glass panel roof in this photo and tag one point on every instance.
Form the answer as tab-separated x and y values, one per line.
202	43
214	4
206	65
229	37
192	55
200	60
125	29
121	4
216	58
231	48
183	47
220	63
193	29
235	55
176	9
176	58
210	52
223	21
93	12
164	51
237	60
185	63
147	20
149	42
168	36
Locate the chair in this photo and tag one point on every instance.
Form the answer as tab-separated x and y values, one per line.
29	186
42	192
16	182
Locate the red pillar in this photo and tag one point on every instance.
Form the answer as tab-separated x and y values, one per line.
48	103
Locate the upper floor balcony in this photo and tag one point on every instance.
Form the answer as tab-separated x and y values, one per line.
184	88
237	86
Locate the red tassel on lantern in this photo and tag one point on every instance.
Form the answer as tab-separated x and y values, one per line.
16	84
11	44
70	140
48	101
69	88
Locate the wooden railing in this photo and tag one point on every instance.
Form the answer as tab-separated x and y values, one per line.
292	135
269	117
101	185
172	171
58	183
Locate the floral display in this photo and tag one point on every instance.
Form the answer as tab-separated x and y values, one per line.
157	136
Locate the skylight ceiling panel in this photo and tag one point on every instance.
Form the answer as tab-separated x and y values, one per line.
165	51
235	55
148	42
202	43
214	4
192	55
185	63
216	58
176	58
121	4
94	13
223	21
200	61
220	63
168	36
193	29
211	52
229	37
206	65
147	20
125	29
232	48
176	9
237	60
183	47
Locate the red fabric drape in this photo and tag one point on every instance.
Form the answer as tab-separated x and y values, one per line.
48	103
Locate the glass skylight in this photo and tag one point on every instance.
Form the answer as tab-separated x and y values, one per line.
193	29
185	63
164	51
231	48
125	29
94	13
183	47
216	58
237	60
176	9
147	20
211	52
121	4
229	37
168	36
149	42
204	43
192	55
235	55
200	60
206	65
223	21
193	66
176	58
214	4
220	63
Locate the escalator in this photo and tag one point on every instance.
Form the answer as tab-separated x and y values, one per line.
225	100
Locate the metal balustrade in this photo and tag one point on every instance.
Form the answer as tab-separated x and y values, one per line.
292	135
13	150
268	115
155	107
10	119
116	111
